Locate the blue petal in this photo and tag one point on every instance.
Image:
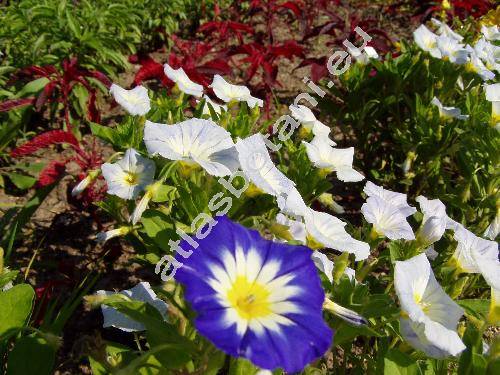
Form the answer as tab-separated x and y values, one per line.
294	346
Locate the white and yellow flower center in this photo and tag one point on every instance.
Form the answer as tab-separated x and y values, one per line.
423	305
430	43
132	98
249	299
130	178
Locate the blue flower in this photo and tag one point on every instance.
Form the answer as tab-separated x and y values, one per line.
256	298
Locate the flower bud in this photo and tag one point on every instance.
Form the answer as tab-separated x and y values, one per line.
327	200
348	315
340	266
118	232
410	158
83	184
141	207
431	231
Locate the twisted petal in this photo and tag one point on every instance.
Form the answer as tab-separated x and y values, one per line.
135	101
329	231
260	169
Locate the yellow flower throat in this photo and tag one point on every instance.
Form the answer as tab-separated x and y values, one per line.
250	299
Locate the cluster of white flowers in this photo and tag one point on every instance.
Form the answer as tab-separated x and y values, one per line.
430	316
483	58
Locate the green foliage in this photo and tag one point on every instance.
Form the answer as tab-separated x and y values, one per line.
100	33
32	355
404	142
15	309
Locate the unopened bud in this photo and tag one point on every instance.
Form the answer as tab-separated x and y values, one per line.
83	184
431	231
327	200
341	263
118	232
348	315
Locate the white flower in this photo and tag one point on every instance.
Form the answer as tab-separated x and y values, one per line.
329	232
486	51
493	96
129	176
396	199
435	220
448	112
431	230
477	255
323	156
252	102
216	107
106	236
233	93
291	203
141	292
296	228
306	117
432	316
444	29
427	40
477	66
363	58
135	101
491	33
452	50
258	167
387	219
183	82
494	228
193	142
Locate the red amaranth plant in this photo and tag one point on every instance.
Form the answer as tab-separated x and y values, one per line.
198	59
424	10
84	154
59	88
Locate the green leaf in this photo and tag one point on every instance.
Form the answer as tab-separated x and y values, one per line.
159	227
164	193
215	363
105	133
32	87
240	366
31	356
472	361
477	307
21	181
15	308
159	333
398	363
